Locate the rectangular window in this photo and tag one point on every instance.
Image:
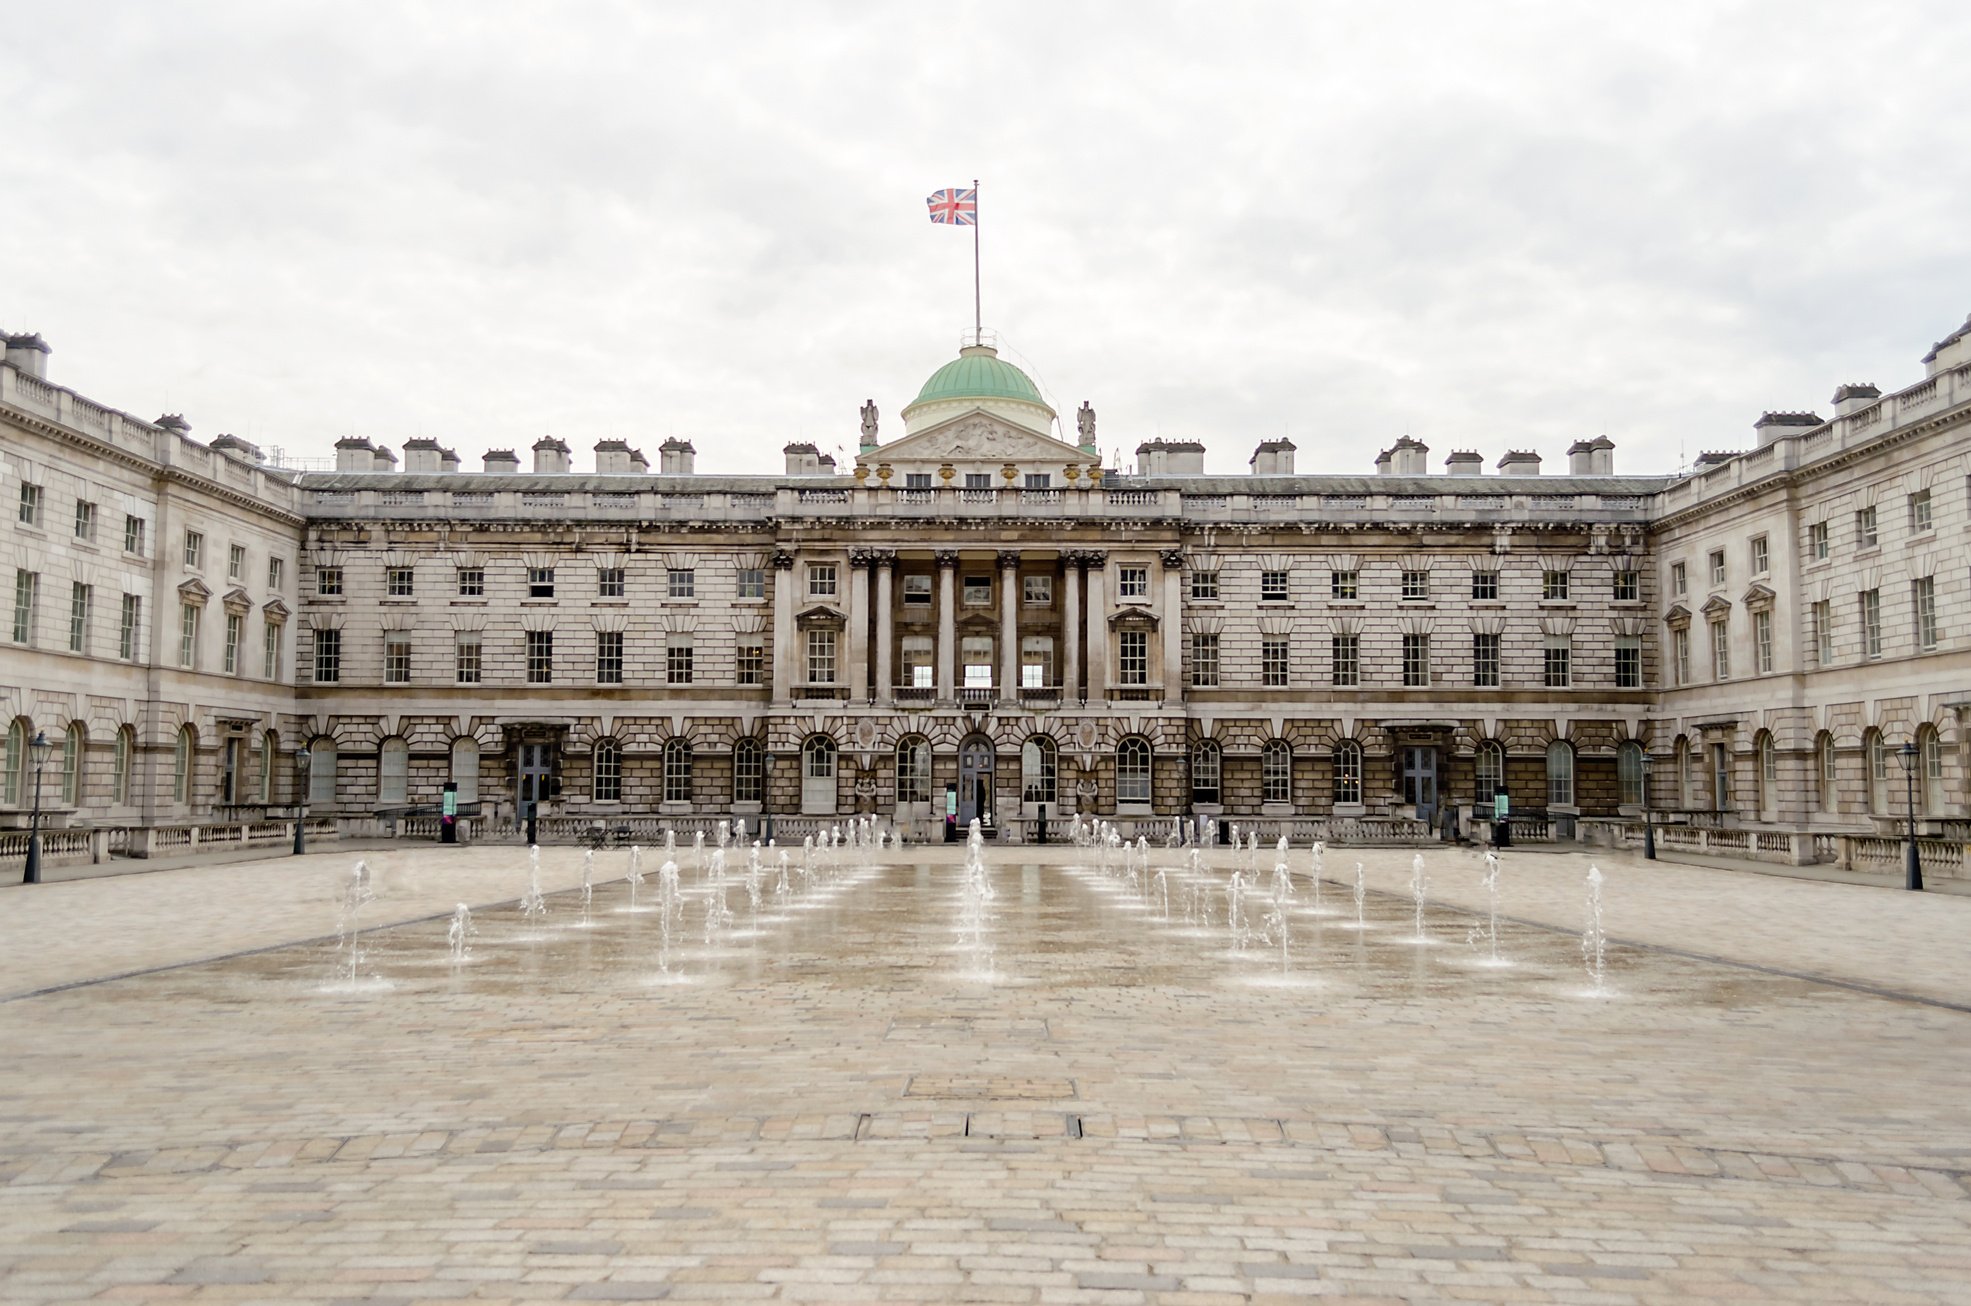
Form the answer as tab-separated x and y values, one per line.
1680	644
398	582
607	782
1132	582
540	582
821	580
129	626
1923	603
1133	657
472	582
1204	586
540	657
917	480
1762	643
30	504
1919	511
978	480
977	592
1416	584
1036	661
276	573
235	633
1559	661
752	583
1346	665
188	634
1416	661
1485	661
328	582
465	657
1273	587
81	598
1761	556
749	773
751	665
1817	541
821	657
678	658
1717	566
328	657
1204	661
85	521
918	673
397	657
1866	536
1553	585
1628	662
1679	579
1273	662
609	583
270	650
609	658
1341	585
679	583
194	549
1871	623
235	561
1040	480
133	535
917	591
1720	651
1037	591
1485	585
1628	585
975	660
1820	620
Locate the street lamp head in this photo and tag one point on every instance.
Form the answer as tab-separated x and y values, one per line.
42	746
1907	755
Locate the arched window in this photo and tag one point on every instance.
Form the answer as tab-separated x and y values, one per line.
1629	774
1039	770
125	755
1489	770
606	781
677	770
184	762
1768	764
393	771
1276	772
1875	756
1560	774
74	749
1133	771
321	772
1206	770
913	770
465	768
14	786
1348	772
1930	756
818	790
749	772
1824	773
270	750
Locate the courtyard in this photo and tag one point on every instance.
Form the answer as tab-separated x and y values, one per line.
869	1080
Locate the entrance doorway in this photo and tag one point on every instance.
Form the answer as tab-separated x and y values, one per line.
818	776
974	781
535	768
1420	782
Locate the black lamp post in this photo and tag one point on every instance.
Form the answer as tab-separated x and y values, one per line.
1649	828
1912	863
304	761
41	747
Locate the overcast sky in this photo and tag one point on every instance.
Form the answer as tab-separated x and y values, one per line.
1484	225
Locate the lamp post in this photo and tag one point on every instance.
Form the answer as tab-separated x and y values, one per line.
1649	829
304	761
41	747
1912	863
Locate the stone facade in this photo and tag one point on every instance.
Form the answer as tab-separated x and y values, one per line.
980	606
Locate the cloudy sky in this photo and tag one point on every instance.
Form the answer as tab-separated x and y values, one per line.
1484	225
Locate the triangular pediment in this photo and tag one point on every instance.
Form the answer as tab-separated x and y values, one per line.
193	591
1678	615
1757	597
274	610
977	438
1715	604
237	599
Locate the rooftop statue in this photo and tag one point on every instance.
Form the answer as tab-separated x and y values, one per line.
1085	423
869	421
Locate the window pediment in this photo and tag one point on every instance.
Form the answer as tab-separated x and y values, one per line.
237	600
274	610
1717	606
194	591
1678	617
1758	599
1133	618
821	615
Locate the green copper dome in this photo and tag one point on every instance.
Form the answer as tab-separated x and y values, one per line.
978	373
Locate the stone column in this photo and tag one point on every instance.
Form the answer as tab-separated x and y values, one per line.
859	560
947	560
783	627
1172	618
1098	626
1009	626
886	567
1071	628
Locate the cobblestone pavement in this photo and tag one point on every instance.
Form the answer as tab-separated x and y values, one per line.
877	1088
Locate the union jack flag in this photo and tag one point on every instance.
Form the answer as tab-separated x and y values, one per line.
955	206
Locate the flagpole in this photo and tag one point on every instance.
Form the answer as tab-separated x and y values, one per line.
978	317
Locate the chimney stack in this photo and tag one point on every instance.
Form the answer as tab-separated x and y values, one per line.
501	462
385	460
802	460
639	465
1519	462
237	447
352	453
29	353
448	460
676	457
1273	458
612	457
1464	462
1409	457
421	455
550	457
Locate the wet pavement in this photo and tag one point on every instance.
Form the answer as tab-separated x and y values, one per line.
1089	1087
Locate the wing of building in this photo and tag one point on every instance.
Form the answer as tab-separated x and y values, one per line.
980	617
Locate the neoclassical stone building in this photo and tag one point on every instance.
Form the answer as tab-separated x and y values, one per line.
980	612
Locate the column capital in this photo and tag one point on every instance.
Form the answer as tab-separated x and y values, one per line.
783	560
861	557
1172	559
1095	558
946	558
1008	559
883	557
